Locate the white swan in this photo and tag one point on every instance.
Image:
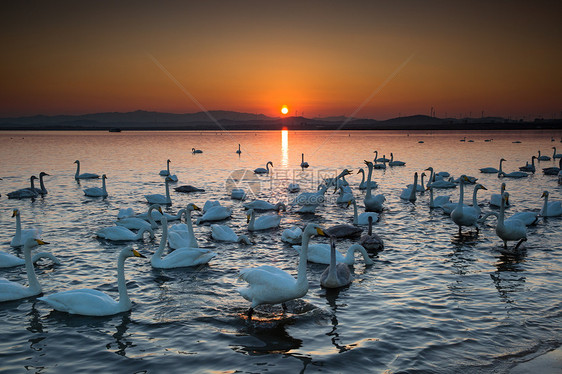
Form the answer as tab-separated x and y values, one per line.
193	150
209	204
268	221
496	199
363	184
381	159
372	203
464	215
89	302
363	218
271	285
238	194
336	274
320	254
8	260
120	233
511	229
528	218
97	191
159	198
181	257
262	205
490	170
22	235
552	208
135	223
542	158
449	207
410	192
292	235
371	241
439	201
224	233
15	291
304	164
166	171
311	198
395	163
182	235
125	213
215	213
25	193
157	216
437	181
264	170
345	196
293	187
77	175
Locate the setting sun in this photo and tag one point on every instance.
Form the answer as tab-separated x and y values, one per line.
284	109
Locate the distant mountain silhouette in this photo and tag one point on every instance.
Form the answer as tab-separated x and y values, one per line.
220	120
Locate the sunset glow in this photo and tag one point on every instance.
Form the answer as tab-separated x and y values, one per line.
284	109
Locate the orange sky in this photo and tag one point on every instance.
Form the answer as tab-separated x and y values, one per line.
322	58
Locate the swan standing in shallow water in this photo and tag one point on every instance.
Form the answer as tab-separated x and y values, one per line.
224	233
320	254
268	221
264	170
511	229
491	170
77	175
464	215
449	207
120	233
336	274
97	191
25	193
181	257
182	235
21	236
552	208
89	302
15	291
271	285
159	198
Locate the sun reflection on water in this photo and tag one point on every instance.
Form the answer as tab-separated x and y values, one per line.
285	148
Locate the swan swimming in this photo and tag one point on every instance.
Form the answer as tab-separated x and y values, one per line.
159	198
135	223
371	241
304	164
182	235
529	168
8	260
292	235
215	213
264	170
511	229
556	155
464	215
266	222
42	190
25	193
271	285
490	170
363	218
77	175
372	203
181	257
552	208
97	191
239	151
395	163
89	302
120	233
336	274
224	233
439	201
193	150
15	291
262	205
410	192
496	199
21	236
166	171
363	184
542	158
320	254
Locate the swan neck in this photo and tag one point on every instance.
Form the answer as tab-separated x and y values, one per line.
461	193
355	216
414	188
544	206
474	201
77	170
103	186
41	184
502	212
362	176
252	220
163	240
168	192
30	270
190	228
150	218
431	203
32	184
124	301
369	175
18	228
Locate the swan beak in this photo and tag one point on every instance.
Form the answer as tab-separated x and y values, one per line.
160	209
138	254
543	195
321	232
484	188
40	242
248	218
195	207
15	212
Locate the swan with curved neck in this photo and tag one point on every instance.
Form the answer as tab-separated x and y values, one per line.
490	170
464	215
264	170
89	302
552	208
182	235
77	175
336	274
159	198
372	203
166	171
371	241
271	285
363	184
25	193
139	223
304	164
15	291
22	235
42	190
511	229
395	163
97	191
181	257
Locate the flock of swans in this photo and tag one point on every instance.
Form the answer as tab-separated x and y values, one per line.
265	284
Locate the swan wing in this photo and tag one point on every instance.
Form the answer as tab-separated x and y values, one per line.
133	223
8	260
14	291
223	233
83	301
186	256
267	222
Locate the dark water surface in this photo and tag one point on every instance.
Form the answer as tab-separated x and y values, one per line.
430	303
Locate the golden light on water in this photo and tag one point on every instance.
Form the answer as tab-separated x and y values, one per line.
285	148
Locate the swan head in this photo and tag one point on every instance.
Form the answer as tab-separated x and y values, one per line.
368	163
249	215
480	187
32	242
77	162
42	174
130	252
280	206
104	177
544	194
191	207
314	229
502	159
15	212
429	168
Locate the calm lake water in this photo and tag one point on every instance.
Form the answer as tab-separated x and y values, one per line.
430	303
